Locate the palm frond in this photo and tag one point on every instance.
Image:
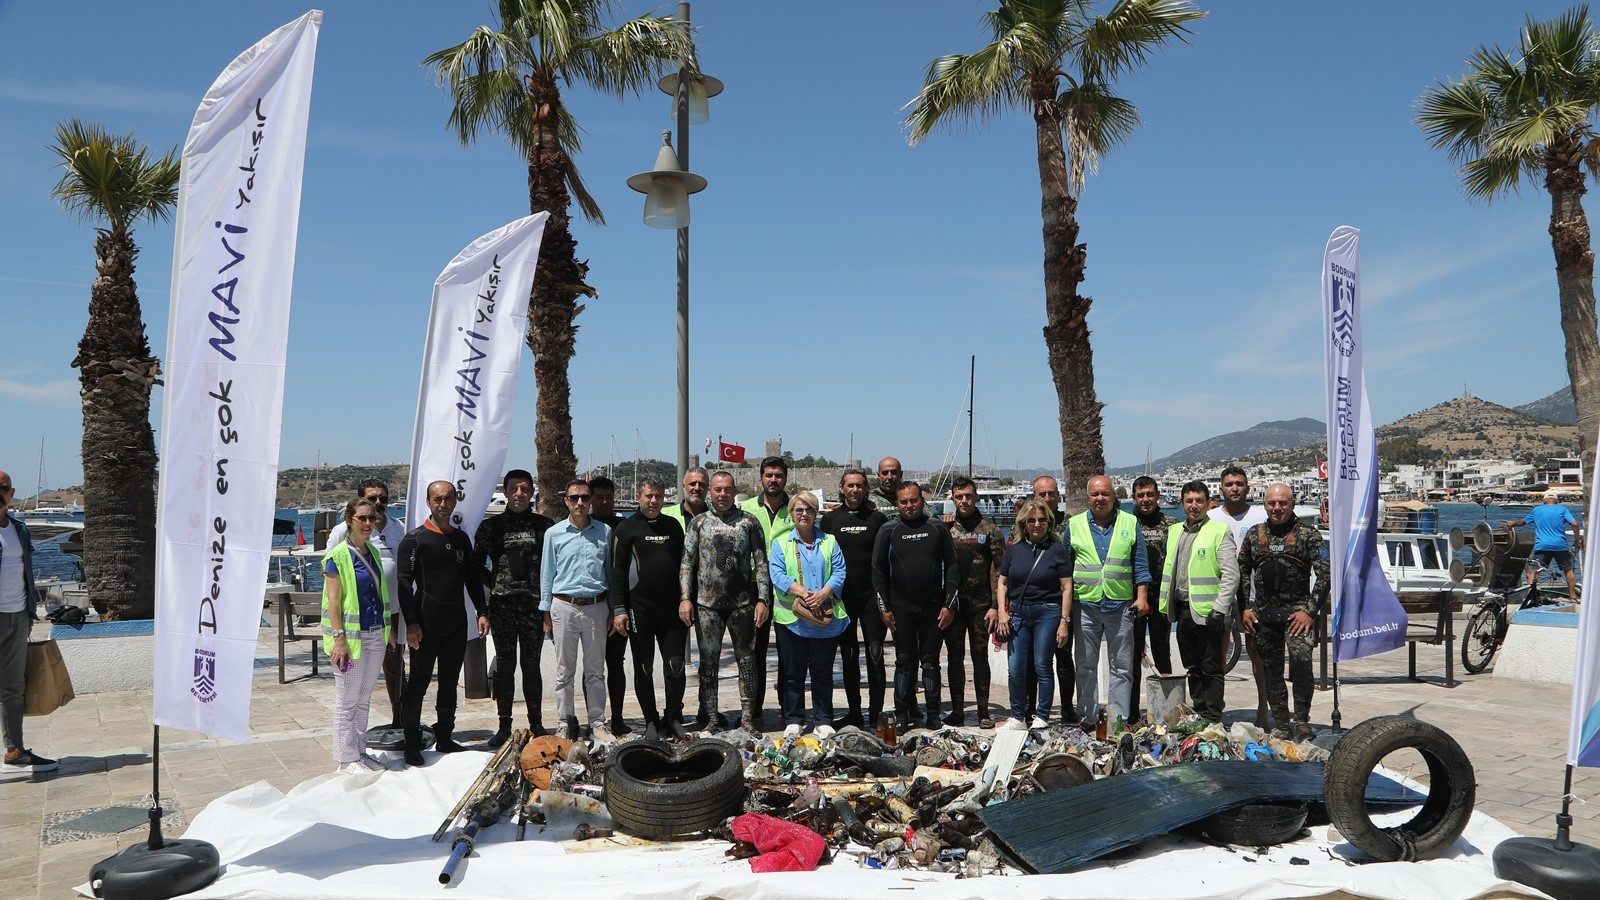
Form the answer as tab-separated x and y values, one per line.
478	71
1457	117
630	57
1488	177
112	178
1124	38
1532	132
961	89
580	193
1095	121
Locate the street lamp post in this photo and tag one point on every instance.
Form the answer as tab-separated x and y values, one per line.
667	206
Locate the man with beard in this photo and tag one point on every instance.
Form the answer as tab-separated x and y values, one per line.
770	508
435	565
978	545
647	552
512	543
914	572
1239	515
1153	523
693	491
724	583
889	474
1282	558
854	524
604	496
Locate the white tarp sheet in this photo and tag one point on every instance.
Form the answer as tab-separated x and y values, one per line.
365	836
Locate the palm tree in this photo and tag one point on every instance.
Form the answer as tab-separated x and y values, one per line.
1058	60
116	182
508	79
1526	118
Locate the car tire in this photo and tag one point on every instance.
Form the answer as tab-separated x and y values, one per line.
655	793
1452	789
1256	825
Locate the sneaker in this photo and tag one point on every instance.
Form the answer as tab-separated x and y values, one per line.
370	764
822	732
791	731
1014	724
28	761
353	768
1038	723
599	734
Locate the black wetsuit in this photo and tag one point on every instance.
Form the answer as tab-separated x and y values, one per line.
434	569
856	530
646	555
915	574
616	647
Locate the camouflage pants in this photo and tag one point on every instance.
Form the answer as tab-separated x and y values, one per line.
517	628
1274	643
740	625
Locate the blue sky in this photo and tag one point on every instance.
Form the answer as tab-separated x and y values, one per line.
840	277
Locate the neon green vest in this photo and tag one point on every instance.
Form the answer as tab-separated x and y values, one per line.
676	511
772	527
349	602
1094	579
783	612
1204	574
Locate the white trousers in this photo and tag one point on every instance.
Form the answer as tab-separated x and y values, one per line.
352	697
580	638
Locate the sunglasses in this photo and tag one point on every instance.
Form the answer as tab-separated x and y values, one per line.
368	518
577	498
377	498
802	511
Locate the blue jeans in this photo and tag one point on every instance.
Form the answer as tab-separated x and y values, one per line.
807	656
1112	620
1033	637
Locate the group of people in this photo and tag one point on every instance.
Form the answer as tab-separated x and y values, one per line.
877	570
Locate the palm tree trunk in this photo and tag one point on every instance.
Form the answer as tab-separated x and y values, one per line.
115	373
1066	330
1569	237
552	333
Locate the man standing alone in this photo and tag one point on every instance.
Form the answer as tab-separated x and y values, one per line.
1550	520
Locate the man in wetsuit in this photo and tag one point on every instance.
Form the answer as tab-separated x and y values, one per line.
914	573
435	565
603	493
979	545
723	582
854	524
771	510
890	472
696	481
1281	557
512	543
646	554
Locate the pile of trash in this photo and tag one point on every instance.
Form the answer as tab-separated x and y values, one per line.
914	804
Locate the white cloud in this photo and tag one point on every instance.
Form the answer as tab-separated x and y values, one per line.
98	95
44	393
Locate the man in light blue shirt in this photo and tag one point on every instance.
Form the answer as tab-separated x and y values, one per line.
1550	521
579	609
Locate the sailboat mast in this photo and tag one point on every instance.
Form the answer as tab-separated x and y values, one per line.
972	381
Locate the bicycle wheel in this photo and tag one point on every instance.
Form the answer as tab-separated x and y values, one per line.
1481	638
1235	649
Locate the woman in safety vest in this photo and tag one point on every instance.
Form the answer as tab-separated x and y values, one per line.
355	632
807	570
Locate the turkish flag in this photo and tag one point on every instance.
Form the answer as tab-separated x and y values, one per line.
1322	469
730	452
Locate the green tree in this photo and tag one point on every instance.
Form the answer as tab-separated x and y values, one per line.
1526	117
115	182
507	79
1059	61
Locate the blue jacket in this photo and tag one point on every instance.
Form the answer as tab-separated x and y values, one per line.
29	588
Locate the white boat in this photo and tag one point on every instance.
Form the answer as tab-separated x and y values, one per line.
497	504
1415	556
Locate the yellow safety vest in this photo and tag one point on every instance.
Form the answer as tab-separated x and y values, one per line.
1094	579
783	610
349	601
1204	574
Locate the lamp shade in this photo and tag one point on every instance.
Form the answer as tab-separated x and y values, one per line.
667	188
701	89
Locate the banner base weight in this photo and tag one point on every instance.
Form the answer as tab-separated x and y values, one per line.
140	873
1538	863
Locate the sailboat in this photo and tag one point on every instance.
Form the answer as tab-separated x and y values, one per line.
316	496
39	511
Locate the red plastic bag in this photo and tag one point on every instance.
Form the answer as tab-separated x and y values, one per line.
784	846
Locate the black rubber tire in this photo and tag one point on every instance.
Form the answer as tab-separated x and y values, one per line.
1452	789
1256	825
1480	639
701	800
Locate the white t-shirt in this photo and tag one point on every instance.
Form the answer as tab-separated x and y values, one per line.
13	593
388	541
1239	525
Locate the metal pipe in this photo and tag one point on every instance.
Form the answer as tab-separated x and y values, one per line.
683	262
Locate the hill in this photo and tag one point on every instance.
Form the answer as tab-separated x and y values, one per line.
1557	408
335	484
1291	434
1470	426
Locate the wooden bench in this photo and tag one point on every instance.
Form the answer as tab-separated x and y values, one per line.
292	605
1430	619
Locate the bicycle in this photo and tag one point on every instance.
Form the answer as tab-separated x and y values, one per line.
1486	628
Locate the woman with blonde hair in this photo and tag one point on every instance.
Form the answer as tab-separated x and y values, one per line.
355	632
1035	605
807	569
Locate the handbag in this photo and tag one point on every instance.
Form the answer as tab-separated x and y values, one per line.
820	618
47	686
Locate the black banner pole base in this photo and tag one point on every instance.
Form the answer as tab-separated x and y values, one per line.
156	871
1565	874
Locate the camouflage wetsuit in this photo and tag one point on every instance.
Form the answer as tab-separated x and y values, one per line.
979	546
512	545
725	573
1280	560
1157	626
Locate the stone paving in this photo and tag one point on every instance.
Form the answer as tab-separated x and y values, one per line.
1514	732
